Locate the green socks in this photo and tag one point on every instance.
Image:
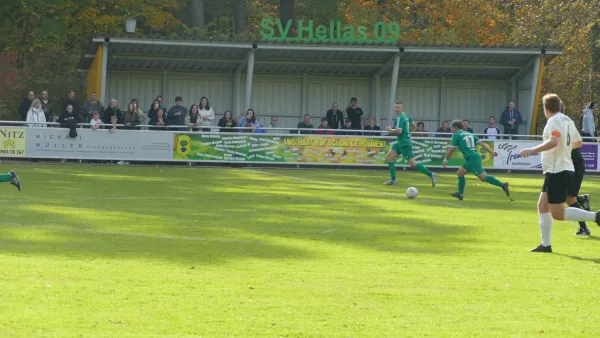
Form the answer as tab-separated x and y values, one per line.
5	177
421	168
462	181
494	181
392	166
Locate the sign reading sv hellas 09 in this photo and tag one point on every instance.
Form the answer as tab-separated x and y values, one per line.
334	31
306	149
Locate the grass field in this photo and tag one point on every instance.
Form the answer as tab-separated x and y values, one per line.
145	251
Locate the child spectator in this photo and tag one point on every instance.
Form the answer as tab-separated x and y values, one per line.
96	122
373	127
420	131
322	130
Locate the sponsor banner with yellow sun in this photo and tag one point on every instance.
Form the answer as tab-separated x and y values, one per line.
307	149
12	142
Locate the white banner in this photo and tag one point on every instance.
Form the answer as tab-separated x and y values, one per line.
509	158
100	144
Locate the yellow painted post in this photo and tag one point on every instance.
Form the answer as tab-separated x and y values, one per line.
95	74
538	94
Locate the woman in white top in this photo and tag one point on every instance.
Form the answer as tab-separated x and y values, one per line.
36	115
206	112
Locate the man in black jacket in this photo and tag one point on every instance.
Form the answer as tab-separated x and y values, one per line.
176	115
372	126
25	106
510	119
305	124
335	117
46	106
73	102
111	111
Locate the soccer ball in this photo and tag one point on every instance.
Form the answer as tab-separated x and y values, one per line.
412	193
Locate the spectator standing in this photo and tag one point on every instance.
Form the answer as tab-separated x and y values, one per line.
73	102
68	118
154	110
420	131
161	105
347	128
322	129
159	120
372	128
305	124
96	122
192	118
177	113
588	121
355	114
491	131
335	117
207	115
227	123
46	106
92	105
26	105
466	126
510	119
35	115
143	117
131	119
274	124
113	110
443	129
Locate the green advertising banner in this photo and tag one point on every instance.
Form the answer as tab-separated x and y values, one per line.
306	149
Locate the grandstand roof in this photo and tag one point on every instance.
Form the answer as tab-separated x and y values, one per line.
151	53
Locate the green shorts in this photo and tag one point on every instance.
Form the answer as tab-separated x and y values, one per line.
405	151
473	165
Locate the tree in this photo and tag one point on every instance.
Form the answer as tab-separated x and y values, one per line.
286	12
196	13
240	16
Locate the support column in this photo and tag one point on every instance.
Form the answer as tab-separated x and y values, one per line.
393	87
534	100
237	78
103	95
376	99
249	74
441	100
304	103
513	89
163	89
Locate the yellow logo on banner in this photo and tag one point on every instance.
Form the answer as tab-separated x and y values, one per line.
12	142
184	145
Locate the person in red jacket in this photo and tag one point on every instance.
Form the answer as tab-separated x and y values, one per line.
322	128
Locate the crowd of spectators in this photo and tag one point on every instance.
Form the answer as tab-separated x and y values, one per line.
350	121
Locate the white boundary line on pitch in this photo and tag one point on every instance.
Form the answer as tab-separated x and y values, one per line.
352	188
133	234
95	198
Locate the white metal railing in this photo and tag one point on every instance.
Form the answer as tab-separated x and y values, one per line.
303	131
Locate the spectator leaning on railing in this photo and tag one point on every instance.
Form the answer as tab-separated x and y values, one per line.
347	128
73	102
69	119
420	131
192	118
227	123
35	115
26	105
322	129
96	122
371	129
305	124
491	131
177	113
159	120
141	114
131	119
250	122
274	124
113	110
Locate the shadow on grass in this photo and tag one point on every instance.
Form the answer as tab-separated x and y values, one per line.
212	216
579	258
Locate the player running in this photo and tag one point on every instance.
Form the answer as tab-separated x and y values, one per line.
12	178
560	136
404	146
467	145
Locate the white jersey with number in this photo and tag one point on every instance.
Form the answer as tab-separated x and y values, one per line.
559	159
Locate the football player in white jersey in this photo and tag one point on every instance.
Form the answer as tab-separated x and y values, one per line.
560	136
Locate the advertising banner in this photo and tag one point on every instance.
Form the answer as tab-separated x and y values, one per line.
509	155
307	149
590	156
12	142
100	144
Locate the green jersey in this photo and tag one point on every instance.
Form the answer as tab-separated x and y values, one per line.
404	122
466	143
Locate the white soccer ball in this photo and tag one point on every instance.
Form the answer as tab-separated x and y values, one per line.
412	193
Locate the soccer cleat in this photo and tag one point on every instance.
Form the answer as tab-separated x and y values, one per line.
583	232
584	201
598	218
391	182
541	248
433	179
457	195
506	190
15	180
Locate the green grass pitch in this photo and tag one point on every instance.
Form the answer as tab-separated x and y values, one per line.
214	252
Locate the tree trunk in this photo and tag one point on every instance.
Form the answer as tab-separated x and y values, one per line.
240	15
196	13
286	12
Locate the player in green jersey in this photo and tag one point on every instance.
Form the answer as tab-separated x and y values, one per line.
403	146
467	145
12	178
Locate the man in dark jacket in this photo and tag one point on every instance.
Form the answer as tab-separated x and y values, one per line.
305	124
68	118
335	117
347	129
46	106
372	126
25	106
111	111
91	106
176	115
71	101
511	118
444	129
